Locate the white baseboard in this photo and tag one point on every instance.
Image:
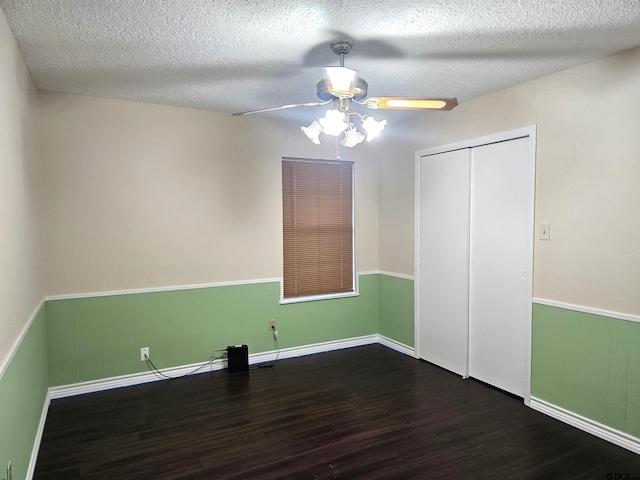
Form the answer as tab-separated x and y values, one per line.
146	377
293	352
36	443
397	346
102	384
612	435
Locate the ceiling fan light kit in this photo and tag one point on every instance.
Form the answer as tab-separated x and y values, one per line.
342	87
334	122
313	132
373	127
352	137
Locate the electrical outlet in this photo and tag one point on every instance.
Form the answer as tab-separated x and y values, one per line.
9	471
272	325
144	354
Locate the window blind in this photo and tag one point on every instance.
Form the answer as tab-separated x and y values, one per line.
317	204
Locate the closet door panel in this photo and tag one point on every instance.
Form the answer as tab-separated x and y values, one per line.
500	280
444	259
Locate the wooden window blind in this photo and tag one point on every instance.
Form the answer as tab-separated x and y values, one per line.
317	204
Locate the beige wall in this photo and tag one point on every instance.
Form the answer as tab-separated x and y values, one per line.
587	180
141	196
20	251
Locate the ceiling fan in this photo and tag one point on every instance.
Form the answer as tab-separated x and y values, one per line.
342	87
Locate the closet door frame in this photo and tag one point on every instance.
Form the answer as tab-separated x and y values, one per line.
529	132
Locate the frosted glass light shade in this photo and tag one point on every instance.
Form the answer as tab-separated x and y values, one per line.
333	123
313	132
372	127
340	80
352	137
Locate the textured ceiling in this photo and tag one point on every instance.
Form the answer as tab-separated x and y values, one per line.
237	55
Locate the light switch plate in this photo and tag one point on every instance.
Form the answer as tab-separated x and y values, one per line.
544	231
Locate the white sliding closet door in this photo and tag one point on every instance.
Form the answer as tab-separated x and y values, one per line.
474	258
444	259
500	263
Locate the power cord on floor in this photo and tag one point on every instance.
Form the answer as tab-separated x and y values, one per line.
277	347
157	372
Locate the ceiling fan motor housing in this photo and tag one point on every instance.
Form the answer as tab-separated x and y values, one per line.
358	93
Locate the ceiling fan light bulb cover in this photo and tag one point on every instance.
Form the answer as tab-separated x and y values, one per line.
373	127
333	123
340	81
313	132
352	137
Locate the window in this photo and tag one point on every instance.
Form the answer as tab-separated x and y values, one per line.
317	207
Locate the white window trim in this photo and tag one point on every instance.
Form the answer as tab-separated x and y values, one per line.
314	298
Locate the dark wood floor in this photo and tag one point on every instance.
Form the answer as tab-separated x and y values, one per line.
366	412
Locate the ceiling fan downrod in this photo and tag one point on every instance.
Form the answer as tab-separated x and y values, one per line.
341	49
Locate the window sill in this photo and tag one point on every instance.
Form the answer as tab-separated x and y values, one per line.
286	301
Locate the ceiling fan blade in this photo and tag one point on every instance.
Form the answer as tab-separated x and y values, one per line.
283	107
403	103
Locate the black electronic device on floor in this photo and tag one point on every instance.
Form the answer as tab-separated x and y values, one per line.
238	358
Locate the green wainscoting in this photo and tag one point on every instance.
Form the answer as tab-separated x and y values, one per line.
23	389
395	309
588	364
101	337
